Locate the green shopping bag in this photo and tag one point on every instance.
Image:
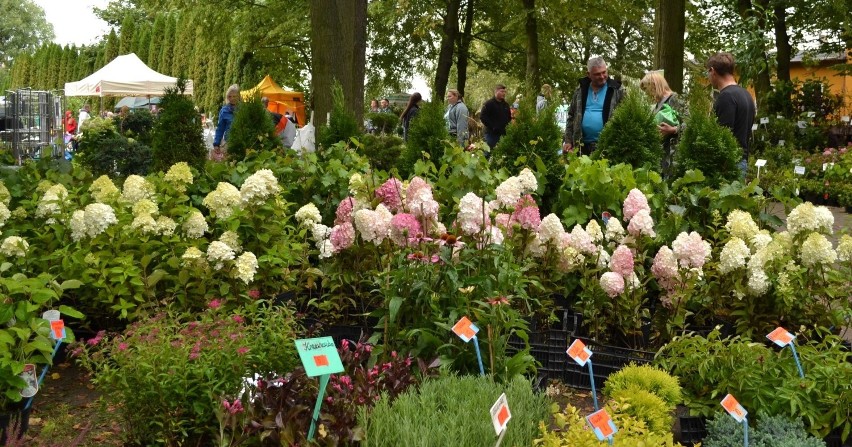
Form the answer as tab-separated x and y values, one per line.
667	115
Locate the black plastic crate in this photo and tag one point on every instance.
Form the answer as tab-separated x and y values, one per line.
693	429
834	439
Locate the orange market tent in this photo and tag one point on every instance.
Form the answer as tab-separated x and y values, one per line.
280	100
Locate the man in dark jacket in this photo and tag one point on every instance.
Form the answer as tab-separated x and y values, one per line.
495	116
591	107
734	106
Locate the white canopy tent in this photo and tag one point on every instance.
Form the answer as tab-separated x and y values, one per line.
126	75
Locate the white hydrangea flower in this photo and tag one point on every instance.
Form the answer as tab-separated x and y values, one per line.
825	219
308	215
193	257
760	240
233	240
326	249
593	228
218	252
14	246
551	229
632	282
195	226
246	267
5	197
497	236
570	259
734	255
844	248
474	214
78	225
641	224
5	214
166	226
614	230
741	225
136	188
259	187
528	181
508	192
52	201
807	218
223	200
758	282
817	250
145	224
603	258
145	206
179	175
104	190
320	232
582	240
98	217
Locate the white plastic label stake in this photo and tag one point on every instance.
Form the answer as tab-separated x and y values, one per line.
799	170
764	120
500	414
760	163
782	142
811	114
754	127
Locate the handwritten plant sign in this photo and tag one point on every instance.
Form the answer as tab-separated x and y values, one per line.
319	356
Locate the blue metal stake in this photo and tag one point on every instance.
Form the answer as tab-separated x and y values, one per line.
43	373
592	380
745	431
796	358
478	355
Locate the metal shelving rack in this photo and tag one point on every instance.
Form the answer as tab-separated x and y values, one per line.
31	124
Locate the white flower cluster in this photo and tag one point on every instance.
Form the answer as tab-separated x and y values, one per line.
817	250
5	197
218	252
734	255
320	232
582	241
259	187
844	248
92	221
166	225
195	225
51	203
741	225
5	214
14	246
233	240
593	229
551	229
474	214
246	266
145	224
373	225
614	230
808	218
193	256
136	188
308	215
145	206
179	175
510	191
223	200
104	190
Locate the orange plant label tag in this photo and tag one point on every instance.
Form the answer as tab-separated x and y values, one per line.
730	404
579	352
465	329
602	424
781	337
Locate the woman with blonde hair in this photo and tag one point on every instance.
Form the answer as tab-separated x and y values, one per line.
226	118
668	105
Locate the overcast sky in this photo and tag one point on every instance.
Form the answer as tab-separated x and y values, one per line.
73	20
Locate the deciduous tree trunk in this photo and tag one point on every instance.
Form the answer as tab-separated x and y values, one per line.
463	50
445	56
533	81
669	28
782	43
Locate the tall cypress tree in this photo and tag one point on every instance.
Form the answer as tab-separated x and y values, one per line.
144	44
165	63
128	32
63	77
184	42
156	40
111	48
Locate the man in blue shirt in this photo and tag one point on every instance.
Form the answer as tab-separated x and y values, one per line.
591	107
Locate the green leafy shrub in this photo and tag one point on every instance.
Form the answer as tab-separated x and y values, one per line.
105	152
177	132
383	123
768	431
427	134
138	124
341	125
631	135
646	407
252	129
648	378
454	411
534	141
708	146
572	430
170	373
383	151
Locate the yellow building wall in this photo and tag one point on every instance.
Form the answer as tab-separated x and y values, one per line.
840	84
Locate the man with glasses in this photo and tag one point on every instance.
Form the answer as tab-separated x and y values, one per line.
591	107
734	106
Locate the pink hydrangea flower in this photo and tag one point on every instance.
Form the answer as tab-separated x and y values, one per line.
581	241
344	211
215	304
612	283
528	217
390	193
342	236
503	220
404	226
414	188
621	261
691	250
641	224
665	268
635	202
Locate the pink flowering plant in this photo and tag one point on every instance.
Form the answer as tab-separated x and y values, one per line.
169	374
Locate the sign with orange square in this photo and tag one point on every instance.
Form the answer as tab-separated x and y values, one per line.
57	329
579	352
465	329
319	356
733	407
781	337
500	414
602	424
